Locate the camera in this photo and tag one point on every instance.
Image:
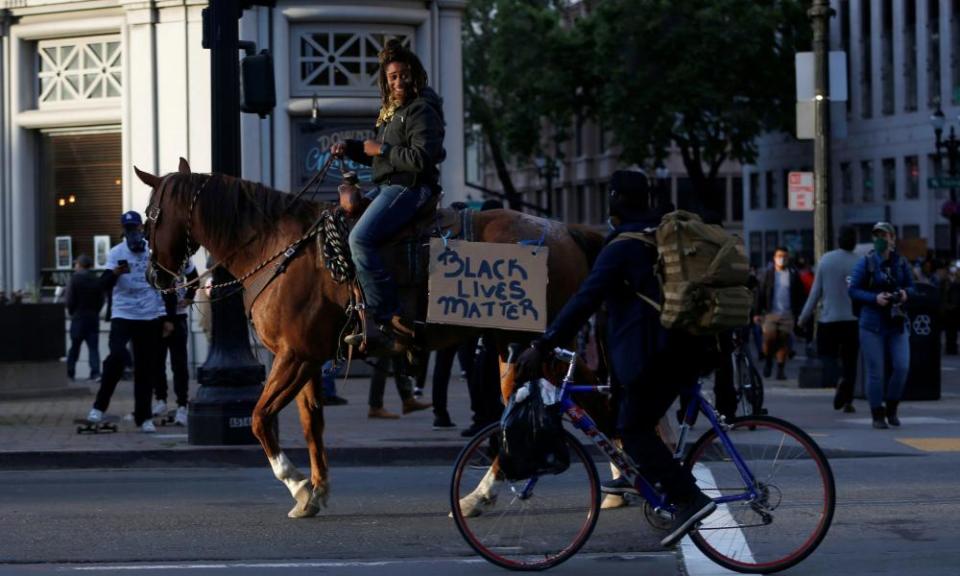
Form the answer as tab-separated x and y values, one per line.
895	298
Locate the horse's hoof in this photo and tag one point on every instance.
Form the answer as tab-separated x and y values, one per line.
474	505
305	507
611	501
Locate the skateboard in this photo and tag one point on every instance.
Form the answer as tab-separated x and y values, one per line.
108	424
166	419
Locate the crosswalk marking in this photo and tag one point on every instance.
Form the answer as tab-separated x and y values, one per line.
932	444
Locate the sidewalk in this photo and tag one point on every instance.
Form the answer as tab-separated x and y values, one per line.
41	434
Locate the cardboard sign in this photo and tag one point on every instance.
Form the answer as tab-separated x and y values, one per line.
487	285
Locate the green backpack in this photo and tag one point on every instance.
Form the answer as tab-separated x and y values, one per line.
703	273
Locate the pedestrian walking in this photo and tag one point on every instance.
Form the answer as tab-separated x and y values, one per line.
881	283
838	339
176	346
378	382
781	299
140	316
84	301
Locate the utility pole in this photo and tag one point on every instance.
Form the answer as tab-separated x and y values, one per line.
231	378
820	14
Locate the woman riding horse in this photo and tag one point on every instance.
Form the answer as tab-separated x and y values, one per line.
404	156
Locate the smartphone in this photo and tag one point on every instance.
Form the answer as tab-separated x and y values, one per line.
123	263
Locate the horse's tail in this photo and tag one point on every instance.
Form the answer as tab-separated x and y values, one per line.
588	239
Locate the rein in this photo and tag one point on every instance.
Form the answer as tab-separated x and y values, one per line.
154	216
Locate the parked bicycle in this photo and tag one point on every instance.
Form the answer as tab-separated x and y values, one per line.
772	483
746	378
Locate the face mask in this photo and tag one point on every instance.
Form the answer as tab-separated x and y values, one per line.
779	262
880	245
135	241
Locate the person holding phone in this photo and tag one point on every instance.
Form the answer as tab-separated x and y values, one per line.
139	315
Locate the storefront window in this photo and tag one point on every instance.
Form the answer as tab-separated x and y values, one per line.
311	147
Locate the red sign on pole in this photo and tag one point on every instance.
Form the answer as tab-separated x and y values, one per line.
800	189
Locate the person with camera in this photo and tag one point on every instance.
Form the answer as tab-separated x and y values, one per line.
880	284
139	315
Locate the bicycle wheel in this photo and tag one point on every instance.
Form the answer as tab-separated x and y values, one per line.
527	524
795	495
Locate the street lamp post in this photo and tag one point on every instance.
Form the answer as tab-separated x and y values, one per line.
820	14
951	147
230	379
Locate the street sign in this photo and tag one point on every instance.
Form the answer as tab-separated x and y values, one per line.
943	182
800	189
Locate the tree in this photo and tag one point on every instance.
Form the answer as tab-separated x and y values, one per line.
709	76
520	70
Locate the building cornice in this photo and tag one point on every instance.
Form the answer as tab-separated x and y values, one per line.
74	117
37	7
341	13
335	106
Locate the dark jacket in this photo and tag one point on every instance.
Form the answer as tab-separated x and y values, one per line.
415	144
84	294
893	274
638	343
798	296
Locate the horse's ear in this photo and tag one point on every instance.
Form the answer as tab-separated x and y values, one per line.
184	168
147	178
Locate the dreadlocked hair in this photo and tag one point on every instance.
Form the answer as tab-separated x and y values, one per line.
395	51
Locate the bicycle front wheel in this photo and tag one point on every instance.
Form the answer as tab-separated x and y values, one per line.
793	499
529	524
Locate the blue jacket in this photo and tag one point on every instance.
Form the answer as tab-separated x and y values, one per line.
862	290
636	339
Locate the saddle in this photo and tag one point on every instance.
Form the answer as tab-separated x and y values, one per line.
406	254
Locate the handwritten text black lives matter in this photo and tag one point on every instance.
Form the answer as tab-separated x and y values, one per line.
504	286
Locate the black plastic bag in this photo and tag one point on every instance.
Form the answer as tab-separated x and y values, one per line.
531	436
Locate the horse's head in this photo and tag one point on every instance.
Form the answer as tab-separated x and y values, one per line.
169	220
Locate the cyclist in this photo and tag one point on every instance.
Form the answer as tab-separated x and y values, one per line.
651	363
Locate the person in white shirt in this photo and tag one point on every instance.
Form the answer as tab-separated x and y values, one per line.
139	315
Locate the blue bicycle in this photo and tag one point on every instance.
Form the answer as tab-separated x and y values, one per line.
772	483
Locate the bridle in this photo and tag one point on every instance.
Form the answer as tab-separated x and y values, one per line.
153	217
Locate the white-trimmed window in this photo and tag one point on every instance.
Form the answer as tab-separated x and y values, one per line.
75	70
340	59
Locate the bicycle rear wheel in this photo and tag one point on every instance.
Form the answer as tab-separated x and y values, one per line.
527	524
754	393
795	500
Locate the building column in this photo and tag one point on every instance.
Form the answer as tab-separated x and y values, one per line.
140	106
24	236
198	88
173	116
452	174
6	256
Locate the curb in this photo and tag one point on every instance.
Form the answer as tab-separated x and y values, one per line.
225	457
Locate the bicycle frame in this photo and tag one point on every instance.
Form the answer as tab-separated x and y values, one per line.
583	422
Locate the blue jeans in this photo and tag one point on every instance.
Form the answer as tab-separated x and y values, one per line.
393	207
876	347
329	379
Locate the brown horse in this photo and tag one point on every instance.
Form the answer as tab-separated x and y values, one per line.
300	315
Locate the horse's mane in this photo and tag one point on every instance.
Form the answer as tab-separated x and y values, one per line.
232	208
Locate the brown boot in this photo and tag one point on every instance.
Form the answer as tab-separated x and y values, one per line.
413	405
382	413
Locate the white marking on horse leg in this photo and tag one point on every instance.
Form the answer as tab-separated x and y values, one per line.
483	497
287	473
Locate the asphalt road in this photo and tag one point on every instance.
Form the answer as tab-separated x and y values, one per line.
894	517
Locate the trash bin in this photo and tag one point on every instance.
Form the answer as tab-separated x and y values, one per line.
923	310
923	379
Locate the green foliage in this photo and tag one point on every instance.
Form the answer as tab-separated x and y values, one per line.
708	75
519	69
